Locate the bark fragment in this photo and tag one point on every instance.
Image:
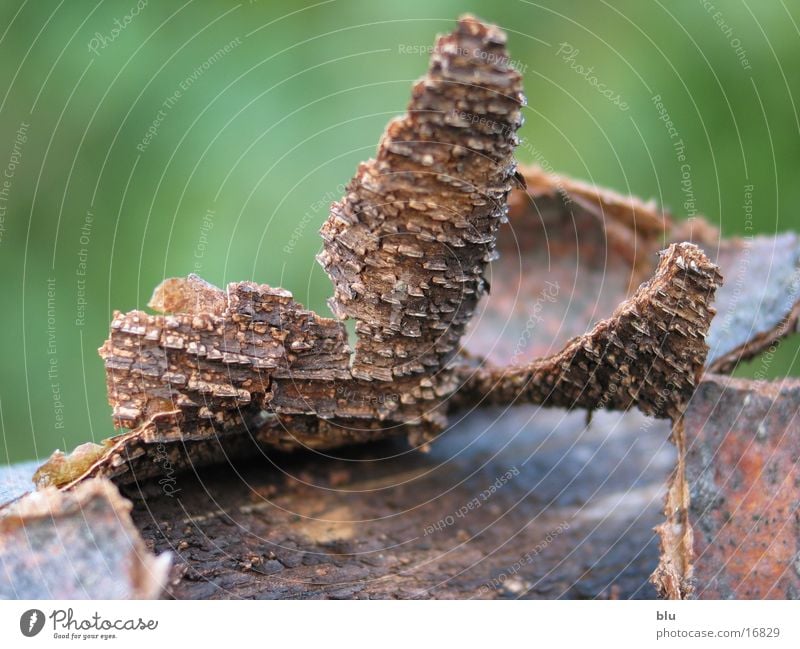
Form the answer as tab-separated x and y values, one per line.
706	551
313	558
649	354
232	383
760	302
562	512
75	545
224	375
407	247
738	513
212	361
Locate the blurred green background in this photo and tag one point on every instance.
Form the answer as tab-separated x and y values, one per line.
140	140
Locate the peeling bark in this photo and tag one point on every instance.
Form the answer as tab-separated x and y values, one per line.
232	382
77	544
407	247
733	527
225	373
234	377
649	354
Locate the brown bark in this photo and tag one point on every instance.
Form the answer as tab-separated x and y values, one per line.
522	504
78	544
231	378
732	530
407	247
223	372
648	354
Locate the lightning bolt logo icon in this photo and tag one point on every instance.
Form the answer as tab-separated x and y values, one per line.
31	622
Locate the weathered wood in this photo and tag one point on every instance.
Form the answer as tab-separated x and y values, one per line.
529	503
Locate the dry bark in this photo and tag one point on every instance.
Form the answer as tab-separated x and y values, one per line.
228	377
223	372
572	517
649	353
213	384
407	247
733	529
78	544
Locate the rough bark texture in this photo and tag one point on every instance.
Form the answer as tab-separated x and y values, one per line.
649	354
229	382
77	544
522	504
259	357
733	529
508	503
407	247
569	256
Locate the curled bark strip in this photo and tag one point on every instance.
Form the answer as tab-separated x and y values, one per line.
407	247
591	239
732	528
760	302
75	545
568	258
629	223
649	354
